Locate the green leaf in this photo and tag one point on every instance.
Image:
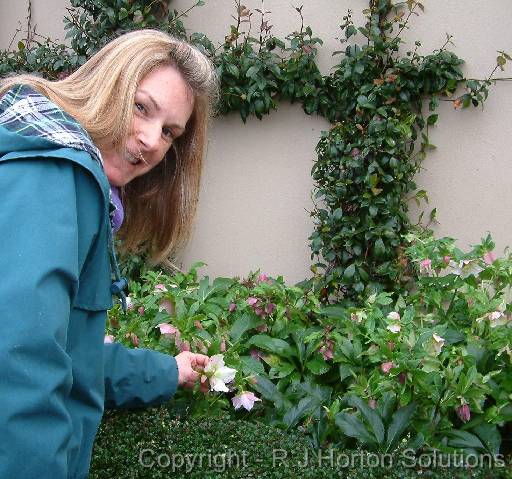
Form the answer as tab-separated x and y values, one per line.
465	440
431	120
379	248
353	427
123	13
370	416
242	325
349	271
490	436
306	405
233	70
345	371
252	71
269	391
251	365
399	422
318	365
273	345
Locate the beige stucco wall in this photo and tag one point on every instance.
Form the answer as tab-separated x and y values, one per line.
255	199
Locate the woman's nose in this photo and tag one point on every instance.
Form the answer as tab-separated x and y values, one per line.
149	137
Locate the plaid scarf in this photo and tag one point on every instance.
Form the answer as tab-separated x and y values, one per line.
27	112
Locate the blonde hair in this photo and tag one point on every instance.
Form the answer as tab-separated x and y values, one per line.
160	205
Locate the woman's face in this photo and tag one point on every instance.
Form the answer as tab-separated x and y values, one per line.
163	105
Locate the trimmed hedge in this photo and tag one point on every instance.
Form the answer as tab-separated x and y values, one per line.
154	444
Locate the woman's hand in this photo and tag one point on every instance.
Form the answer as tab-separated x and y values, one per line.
190	367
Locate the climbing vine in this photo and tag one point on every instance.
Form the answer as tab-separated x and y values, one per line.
380	103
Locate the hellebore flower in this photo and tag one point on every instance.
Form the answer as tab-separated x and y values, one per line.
394	316
372	403
251	301
166	305
386	367
232	307
129	303
141	310
160	288
464	412
426	266
108	339
327	349
245	400
219	374
270	308
255	354
436	344
394	328
465	268
262	277
168	329
489	257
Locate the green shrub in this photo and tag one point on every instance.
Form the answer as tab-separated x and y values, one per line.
231	449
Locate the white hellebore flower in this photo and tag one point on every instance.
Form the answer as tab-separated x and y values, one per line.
394	328
219	374
465	268
394	316
437	343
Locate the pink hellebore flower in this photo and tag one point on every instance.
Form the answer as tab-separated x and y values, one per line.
489	257
262	278
222	346
259	312
141	310
245	400
372	403
464	412
135	339
232	307
394	316
251	301
108	339
169	329
166	306
386	367
183	346
270	308
426	267
262	328
255	354
446	260
160	288
327	349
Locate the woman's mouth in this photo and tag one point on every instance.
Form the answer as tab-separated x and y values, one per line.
135	159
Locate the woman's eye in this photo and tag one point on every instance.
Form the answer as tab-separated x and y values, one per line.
167	132
139	106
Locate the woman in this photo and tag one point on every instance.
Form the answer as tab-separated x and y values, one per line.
130	123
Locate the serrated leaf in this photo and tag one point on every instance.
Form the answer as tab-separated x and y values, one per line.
353	427
242	325
251	365
399	423
370	416
273	345
465	440
318	365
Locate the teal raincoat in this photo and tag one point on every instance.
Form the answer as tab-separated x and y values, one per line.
56	373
